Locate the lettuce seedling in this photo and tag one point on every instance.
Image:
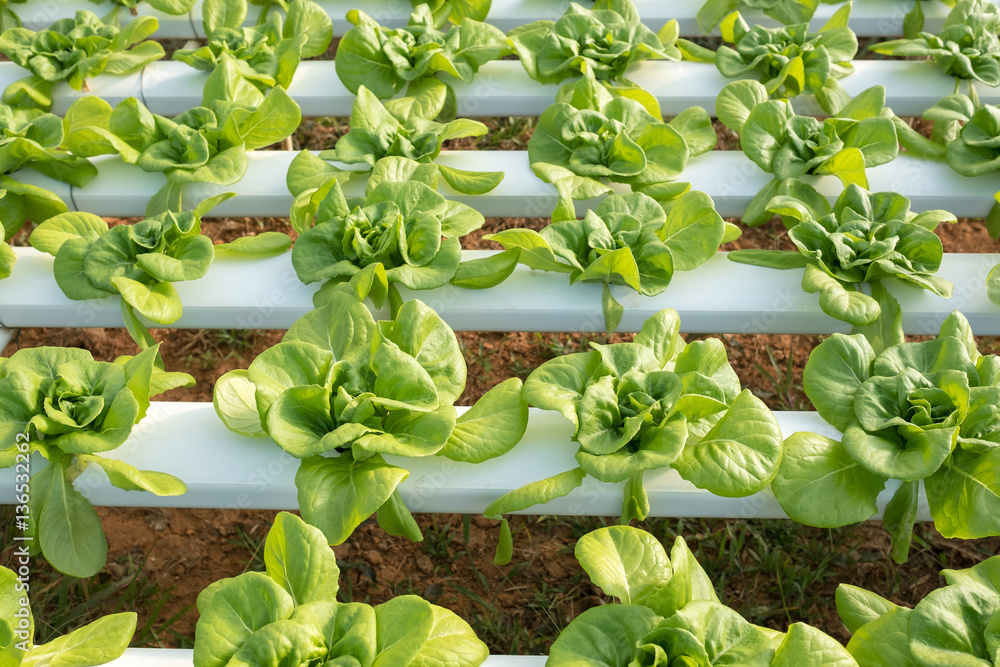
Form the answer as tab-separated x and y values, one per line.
925	411
628	240
788	12
860	135
454	11
863	238
966	48
400	128
341	392
289	615
387	60
966	135
206	144
70	408
95	643
953	625
595	137
669	614
791	61
647	405
30	138
139	261
72	50
402	232
266	55
604	42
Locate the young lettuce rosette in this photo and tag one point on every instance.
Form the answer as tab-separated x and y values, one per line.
604	42
860	135
862	239
966	48
30	138
70	408
289	615
913	412
401	233
387	60
790	60
139	261
266	55
627	240
594	138
73	50
96	643
206	144
787	12
958	624
669	615
647	405
966	135
342	392
400	128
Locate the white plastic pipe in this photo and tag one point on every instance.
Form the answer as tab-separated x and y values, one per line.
719	296
225	470
180	657
879	18
729	177
503	88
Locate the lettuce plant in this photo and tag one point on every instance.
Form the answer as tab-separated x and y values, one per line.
788	12
913	412
341	392
400	128
139	261
402	232
628	240
96	643
791	61
70	409
603	42
595	137
387	60
967	46
669	615
860	135
647	405
289	615
34	139
72	50
862	239
966	135
206	144
953	625
266	55
454	11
